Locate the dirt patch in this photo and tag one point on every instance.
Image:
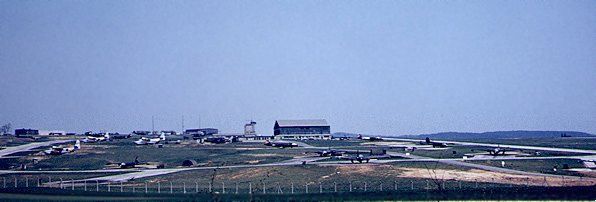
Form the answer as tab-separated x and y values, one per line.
476	175
370	170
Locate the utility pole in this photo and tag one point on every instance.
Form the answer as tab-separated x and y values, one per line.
182	124
152	125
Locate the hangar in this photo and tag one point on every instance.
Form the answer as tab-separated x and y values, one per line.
302	129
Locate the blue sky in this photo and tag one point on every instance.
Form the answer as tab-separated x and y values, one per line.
381	67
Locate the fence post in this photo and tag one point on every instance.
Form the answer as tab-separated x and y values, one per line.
133	188
335	187
38	179
476	181
171	187
563	179
381	186
26	181
223	187
196	187
264	188
96	185
365	186
249	187
306	189
184	187
109	186
292	187
427	185
394	185
411	185
121	187
159	187
146	186
236	187
85	184
459	184
72	182
61	183
350	186
4	179
320	187
443	184
15	182
49	182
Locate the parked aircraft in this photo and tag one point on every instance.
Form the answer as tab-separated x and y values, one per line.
433	143
498	151
96	137
138	164
330	152
59	150
280	144
216	140
120	136
125	165
361	157
154	140
370	138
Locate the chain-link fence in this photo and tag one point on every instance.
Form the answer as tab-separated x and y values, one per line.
271	186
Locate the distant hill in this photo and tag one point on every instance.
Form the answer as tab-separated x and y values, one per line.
502	135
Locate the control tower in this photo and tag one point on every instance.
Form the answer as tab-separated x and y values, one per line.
249	128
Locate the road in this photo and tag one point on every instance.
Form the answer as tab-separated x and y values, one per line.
585	151
27	147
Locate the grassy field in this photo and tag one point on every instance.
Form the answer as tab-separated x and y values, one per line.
538	166
97	155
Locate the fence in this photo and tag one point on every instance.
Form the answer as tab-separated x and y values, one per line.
272	186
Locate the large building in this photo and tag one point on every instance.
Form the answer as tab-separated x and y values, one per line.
26	132
302	129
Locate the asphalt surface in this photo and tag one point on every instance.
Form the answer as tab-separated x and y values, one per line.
584	151
27	147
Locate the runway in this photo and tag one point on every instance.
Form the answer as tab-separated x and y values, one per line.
27	147
584	151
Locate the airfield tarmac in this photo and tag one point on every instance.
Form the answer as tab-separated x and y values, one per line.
256	156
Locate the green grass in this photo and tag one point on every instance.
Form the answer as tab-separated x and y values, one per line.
538	166
97	155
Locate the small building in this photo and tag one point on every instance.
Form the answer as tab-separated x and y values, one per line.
26	132
189	163
302	129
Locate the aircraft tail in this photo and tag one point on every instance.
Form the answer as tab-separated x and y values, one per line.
137	159
359	136
77	144
107	136
427	140
162	137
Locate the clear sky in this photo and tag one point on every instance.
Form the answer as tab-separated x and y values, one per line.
375	67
